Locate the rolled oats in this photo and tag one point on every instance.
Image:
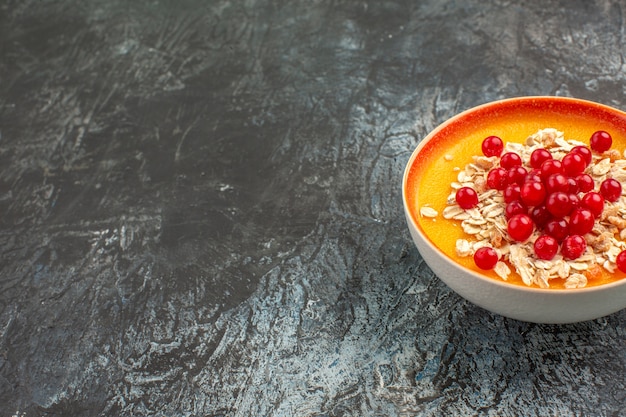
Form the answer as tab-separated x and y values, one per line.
486	224
463	248
427	211
576	281
503	270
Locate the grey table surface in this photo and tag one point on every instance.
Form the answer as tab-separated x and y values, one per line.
200	208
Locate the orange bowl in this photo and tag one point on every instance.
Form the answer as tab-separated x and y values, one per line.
505	118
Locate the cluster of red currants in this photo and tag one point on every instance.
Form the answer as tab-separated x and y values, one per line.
554	196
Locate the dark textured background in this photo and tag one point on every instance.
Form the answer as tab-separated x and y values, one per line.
200	208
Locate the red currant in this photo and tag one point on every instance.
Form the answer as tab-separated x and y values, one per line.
510	160
594	202
583	151
573	247
573	164
573	185
534	175
516	175
620	260
550	167
574	202
540	215
511	193
513	208
538	157
611	189
601	141
496	178
557	228
556	183
486	258
558	204
581	221
520	227
546	247
585	182
532	193
492	146
466	198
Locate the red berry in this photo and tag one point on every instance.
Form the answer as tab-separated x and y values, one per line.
511	193
583	151
585	182
557	228
573	185
486	258
573	247
516	175
496	178
510	160
513	208
534	175
532	193
540	215
581	221
538	157
546	247
466	198
550	167
520	227
601	141
574	202
573	164
557	183
558	204
594	202
611	189
620	260
492	146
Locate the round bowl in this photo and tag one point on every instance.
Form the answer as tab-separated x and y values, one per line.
512	300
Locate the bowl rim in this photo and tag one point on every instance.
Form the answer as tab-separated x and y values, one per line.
441	254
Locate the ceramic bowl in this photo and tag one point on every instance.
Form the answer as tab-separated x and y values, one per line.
516	301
